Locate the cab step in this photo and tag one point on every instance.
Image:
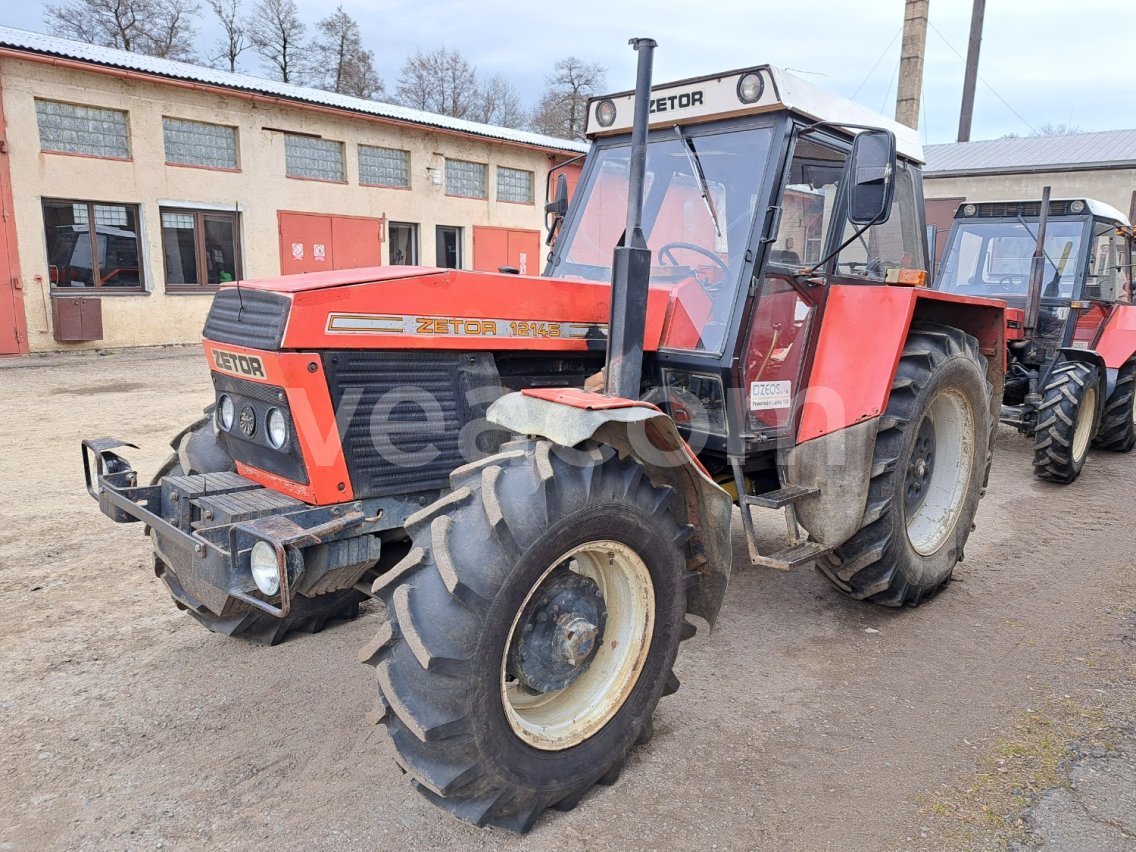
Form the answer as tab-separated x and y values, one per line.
794	556
782	497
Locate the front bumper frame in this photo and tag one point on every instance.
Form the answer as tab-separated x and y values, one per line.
209	554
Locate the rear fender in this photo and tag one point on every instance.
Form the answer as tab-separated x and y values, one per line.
640	431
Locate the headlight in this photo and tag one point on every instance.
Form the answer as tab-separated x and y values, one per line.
226	410
277	428
1077	206
750	87
265	571
605	113
969	210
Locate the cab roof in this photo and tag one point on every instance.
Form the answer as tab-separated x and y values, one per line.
1031	208
700	99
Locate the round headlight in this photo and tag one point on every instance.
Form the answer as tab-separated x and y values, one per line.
969	210
1077	206
605	113
750	88
265	572
226	411
277	428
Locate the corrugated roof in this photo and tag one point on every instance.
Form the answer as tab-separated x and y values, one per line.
1074	151
24	40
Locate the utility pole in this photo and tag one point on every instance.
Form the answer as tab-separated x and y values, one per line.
911	63
966	115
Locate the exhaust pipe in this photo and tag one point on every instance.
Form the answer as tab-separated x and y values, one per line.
631	265
1037	270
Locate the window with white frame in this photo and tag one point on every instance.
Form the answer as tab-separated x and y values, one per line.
514	185
466	179
195	143
312	157
383	166
74	129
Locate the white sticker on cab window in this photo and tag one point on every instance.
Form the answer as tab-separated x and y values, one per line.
764	395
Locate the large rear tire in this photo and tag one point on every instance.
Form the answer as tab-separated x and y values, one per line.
306	613
530	632
1066	422
1117	431
931	460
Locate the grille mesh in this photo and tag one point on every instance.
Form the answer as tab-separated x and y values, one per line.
400	415
243	317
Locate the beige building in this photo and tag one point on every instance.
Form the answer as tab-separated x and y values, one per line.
1078	165
132	187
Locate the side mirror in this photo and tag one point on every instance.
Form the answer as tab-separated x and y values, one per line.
871	172
557	208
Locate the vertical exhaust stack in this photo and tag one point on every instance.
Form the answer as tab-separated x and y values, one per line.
1037	269
631	266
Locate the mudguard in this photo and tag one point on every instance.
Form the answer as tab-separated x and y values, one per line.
638	430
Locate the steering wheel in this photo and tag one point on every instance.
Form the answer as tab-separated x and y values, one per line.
1012	283
665	255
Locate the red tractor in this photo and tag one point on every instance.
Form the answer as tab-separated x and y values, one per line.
1065	266
422	436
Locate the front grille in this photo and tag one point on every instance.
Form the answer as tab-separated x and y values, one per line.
244	317
400	415
256	451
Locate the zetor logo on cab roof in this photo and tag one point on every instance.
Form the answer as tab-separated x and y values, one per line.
245	365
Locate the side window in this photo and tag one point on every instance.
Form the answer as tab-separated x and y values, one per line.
1104	260
896	243
807	204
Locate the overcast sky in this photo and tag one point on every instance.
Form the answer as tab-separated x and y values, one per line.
1043	61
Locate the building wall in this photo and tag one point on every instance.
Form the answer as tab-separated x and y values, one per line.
258	190
1112	186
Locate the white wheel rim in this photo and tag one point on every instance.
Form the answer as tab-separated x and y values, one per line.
933	522
559	720
1083	428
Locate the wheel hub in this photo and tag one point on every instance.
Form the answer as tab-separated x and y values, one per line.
558	634
920	467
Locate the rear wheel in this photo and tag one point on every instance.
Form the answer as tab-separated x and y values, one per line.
531	632
931	459
1117	431
305	613
1067	422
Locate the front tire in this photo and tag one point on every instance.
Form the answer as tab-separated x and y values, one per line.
531	631
1067	422
932	456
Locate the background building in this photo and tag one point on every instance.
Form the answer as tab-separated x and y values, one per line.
132	187
1077	165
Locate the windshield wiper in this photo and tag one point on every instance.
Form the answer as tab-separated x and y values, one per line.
696	167
1056	271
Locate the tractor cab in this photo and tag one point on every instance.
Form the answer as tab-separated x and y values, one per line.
1086	266
748	214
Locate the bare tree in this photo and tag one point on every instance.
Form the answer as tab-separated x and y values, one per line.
341	63
499	103
442	82
235	41
277	34
1048	129
563	109
165	28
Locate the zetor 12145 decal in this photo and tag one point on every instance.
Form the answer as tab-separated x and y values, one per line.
736	291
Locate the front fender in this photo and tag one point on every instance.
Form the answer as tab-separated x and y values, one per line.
640	431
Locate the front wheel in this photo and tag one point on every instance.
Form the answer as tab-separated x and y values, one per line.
531	631
932	455
1066	422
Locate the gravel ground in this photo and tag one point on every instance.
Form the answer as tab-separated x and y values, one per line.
987	717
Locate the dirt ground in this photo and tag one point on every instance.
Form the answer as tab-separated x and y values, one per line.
805	721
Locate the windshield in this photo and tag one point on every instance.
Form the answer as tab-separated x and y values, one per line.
993	258
701	190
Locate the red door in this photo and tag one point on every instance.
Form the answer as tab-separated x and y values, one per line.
316	242
13	327
497	247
